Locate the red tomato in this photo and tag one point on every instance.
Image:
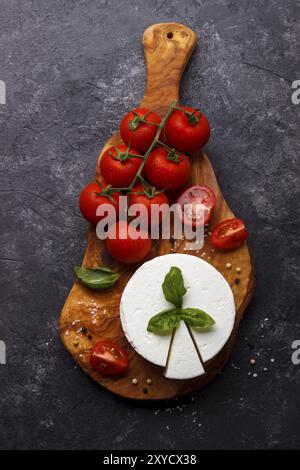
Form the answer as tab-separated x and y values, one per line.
229	234
187	130
108	358
163	170
117	167
149	197
200	198
136	133
123	245
93	196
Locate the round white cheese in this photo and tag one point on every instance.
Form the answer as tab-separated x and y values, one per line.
143	297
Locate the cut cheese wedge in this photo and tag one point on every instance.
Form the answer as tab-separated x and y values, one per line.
183	361
143	297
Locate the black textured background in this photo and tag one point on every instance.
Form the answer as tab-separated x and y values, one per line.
72	68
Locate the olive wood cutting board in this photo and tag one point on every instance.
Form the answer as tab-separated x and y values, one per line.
88	315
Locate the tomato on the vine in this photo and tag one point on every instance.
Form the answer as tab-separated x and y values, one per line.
197	204
138	128
126	243
229	234
108	358
92	196
187	129
166	169
149	196
118	167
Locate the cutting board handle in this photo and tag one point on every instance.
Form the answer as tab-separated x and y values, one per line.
168	48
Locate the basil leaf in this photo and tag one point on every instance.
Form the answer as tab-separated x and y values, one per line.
197	318
96	278
173	287
164	321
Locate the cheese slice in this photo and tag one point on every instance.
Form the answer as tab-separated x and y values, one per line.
183	360
143	297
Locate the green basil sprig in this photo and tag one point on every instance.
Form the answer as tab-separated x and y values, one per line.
197	318
96	278
164	321
174	289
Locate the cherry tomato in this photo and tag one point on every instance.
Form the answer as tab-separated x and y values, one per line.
108	358
197	198
117	167
187	130
93	196
149	196
127	244
229	234
166	169
135	132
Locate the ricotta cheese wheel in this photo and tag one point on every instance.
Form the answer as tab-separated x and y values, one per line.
143	297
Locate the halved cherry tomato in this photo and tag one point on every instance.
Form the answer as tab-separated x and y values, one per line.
136	132
117	167
126	243
167	169
229	234
108	358
187	129
193	201
149	196
92	196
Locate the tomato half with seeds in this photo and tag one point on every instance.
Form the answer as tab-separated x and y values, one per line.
126	243
187	129
149	197
197	204
92	196
229	234
119	164
108	358
138	128
166	169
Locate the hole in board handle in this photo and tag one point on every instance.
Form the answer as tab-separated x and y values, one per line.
169	35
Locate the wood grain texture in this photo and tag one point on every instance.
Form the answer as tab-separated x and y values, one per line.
168	47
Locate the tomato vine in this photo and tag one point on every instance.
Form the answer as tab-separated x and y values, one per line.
175	156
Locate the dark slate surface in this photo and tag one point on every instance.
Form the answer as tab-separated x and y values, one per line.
72	68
